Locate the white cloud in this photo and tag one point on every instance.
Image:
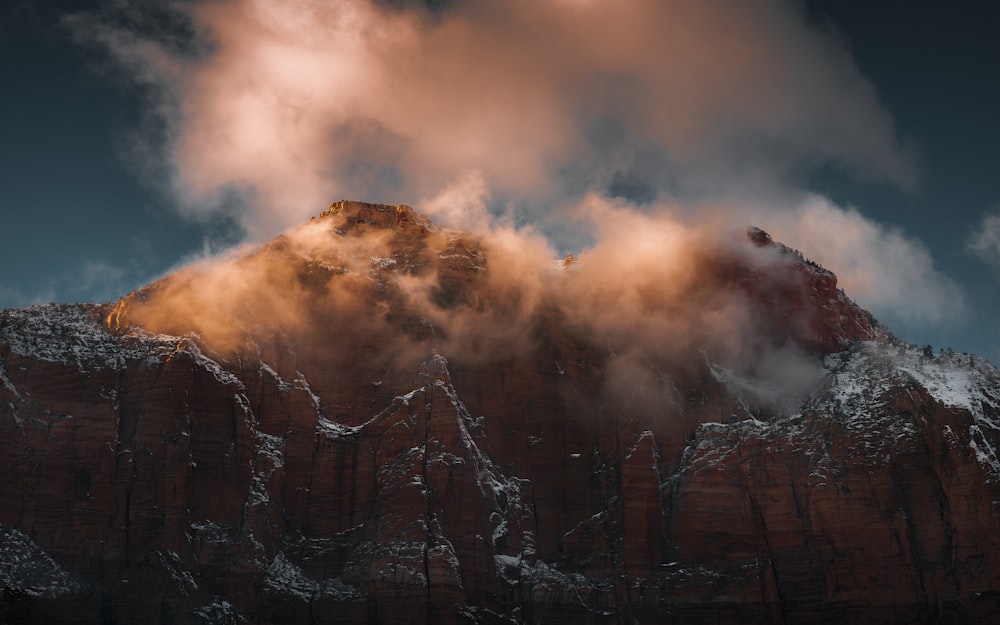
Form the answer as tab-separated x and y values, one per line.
879	266
984	241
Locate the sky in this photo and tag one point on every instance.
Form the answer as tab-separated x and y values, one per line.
136	137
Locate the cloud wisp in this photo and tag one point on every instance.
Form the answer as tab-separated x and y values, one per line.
984	241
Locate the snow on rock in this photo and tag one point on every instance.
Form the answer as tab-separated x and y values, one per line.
443	550
857	391
643	436
219	612
212	532
75	335
302	384
7	384
286	578
26	567
332	429
224	377
860	377
986	454
715	442
183	580
505	491
268	459
269	370
517	570
960	381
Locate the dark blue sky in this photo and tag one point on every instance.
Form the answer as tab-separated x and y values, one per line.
79	222
82	221
935	67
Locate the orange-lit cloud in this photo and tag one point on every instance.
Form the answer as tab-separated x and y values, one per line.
373	301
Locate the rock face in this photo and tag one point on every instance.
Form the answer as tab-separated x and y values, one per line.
328	444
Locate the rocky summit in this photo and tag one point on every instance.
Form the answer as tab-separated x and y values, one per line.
372	419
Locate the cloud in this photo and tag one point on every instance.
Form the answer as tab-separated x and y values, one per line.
285	106
984	241
528	110
462	204
886	271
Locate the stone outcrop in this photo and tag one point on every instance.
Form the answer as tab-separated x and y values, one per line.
239	461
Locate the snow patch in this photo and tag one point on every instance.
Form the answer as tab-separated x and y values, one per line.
288	579
75	335
860	378
222	376
268	459
182	578
518	570
219	612
24	566
7	384
332	429
211	532
442	549
861	388
302	384
282	384
407	398
985	453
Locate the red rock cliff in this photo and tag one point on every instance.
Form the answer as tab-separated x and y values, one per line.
306	449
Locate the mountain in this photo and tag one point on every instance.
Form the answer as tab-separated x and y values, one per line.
375	419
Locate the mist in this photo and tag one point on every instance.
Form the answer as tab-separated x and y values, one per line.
370	291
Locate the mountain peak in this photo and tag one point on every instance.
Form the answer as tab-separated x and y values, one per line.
802	296
391	263
365	214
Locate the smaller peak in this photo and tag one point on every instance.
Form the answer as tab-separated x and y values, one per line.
759	237
378	215
434	369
